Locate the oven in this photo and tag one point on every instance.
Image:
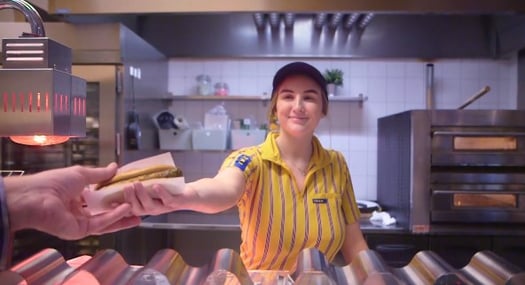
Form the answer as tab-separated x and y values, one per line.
477	172
451	168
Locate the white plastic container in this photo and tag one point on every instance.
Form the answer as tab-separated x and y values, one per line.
175	139
206	139
243	138
212	121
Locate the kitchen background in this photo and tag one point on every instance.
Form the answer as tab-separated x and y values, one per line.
378	63
385	61
390	86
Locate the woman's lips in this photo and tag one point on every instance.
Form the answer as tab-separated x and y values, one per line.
298	119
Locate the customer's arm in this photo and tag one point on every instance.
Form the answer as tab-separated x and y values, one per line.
50	201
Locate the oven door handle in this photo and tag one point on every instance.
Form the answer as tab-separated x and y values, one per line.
453	191
485	134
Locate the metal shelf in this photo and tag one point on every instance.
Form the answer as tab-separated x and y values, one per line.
218	98
359	99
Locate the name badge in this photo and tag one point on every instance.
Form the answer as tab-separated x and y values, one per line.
320	200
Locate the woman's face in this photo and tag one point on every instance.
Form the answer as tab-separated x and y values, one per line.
299	105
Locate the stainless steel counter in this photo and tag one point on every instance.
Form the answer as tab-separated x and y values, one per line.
189	220
368	228
229	221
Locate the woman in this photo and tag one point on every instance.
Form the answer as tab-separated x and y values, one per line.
292	194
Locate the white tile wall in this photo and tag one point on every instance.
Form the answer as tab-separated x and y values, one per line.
391	86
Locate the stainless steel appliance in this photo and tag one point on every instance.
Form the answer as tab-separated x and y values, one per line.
309	28
105	65
42	103
446	169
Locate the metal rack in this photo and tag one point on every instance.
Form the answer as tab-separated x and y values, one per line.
167	266
5	173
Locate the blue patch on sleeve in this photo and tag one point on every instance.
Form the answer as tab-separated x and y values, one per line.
242	161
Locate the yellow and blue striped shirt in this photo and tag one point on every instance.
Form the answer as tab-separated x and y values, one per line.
278	220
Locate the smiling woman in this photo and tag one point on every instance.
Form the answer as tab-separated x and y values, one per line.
298	106
303	81
292	193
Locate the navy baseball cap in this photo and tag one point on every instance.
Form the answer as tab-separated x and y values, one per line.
299	68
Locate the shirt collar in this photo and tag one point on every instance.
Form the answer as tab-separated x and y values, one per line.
270	151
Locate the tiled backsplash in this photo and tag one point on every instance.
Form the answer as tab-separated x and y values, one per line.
391	86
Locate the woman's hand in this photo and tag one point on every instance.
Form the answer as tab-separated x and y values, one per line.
154	201
206	195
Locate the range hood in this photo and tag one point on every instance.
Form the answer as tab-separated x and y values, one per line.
296	6
426	29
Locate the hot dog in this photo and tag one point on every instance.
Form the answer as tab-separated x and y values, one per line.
154	172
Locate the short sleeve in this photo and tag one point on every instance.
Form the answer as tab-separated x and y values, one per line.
243	159
350	209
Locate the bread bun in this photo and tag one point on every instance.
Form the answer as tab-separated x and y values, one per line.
154	172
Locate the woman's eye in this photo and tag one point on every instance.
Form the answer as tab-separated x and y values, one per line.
310	98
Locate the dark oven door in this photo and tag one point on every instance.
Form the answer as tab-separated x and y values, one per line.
478	175
477	203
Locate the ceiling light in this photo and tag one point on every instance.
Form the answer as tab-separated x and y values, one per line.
289	19
366	20
259	20
351	20
319	20
335	20
275	20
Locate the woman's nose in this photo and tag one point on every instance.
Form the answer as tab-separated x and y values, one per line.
299	104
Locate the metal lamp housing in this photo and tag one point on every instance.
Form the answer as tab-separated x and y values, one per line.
39	96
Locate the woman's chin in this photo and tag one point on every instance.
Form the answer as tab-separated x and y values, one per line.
297	130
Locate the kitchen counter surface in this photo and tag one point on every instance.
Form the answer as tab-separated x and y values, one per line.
188	220
369	228
229	221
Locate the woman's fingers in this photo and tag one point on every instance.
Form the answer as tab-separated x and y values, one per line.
130	197
148	203
143	201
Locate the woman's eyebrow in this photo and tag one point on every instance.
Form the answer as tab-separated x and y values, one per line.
286	91
305	91
315	91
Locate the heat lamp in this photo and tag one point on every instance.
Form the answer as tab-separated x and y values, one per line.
41	102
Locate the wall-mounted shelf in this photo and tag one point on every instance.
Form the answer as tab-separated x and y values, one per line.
360	98
219	98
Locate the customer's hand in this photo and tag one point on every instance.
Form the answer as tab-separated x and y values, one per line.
51	201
